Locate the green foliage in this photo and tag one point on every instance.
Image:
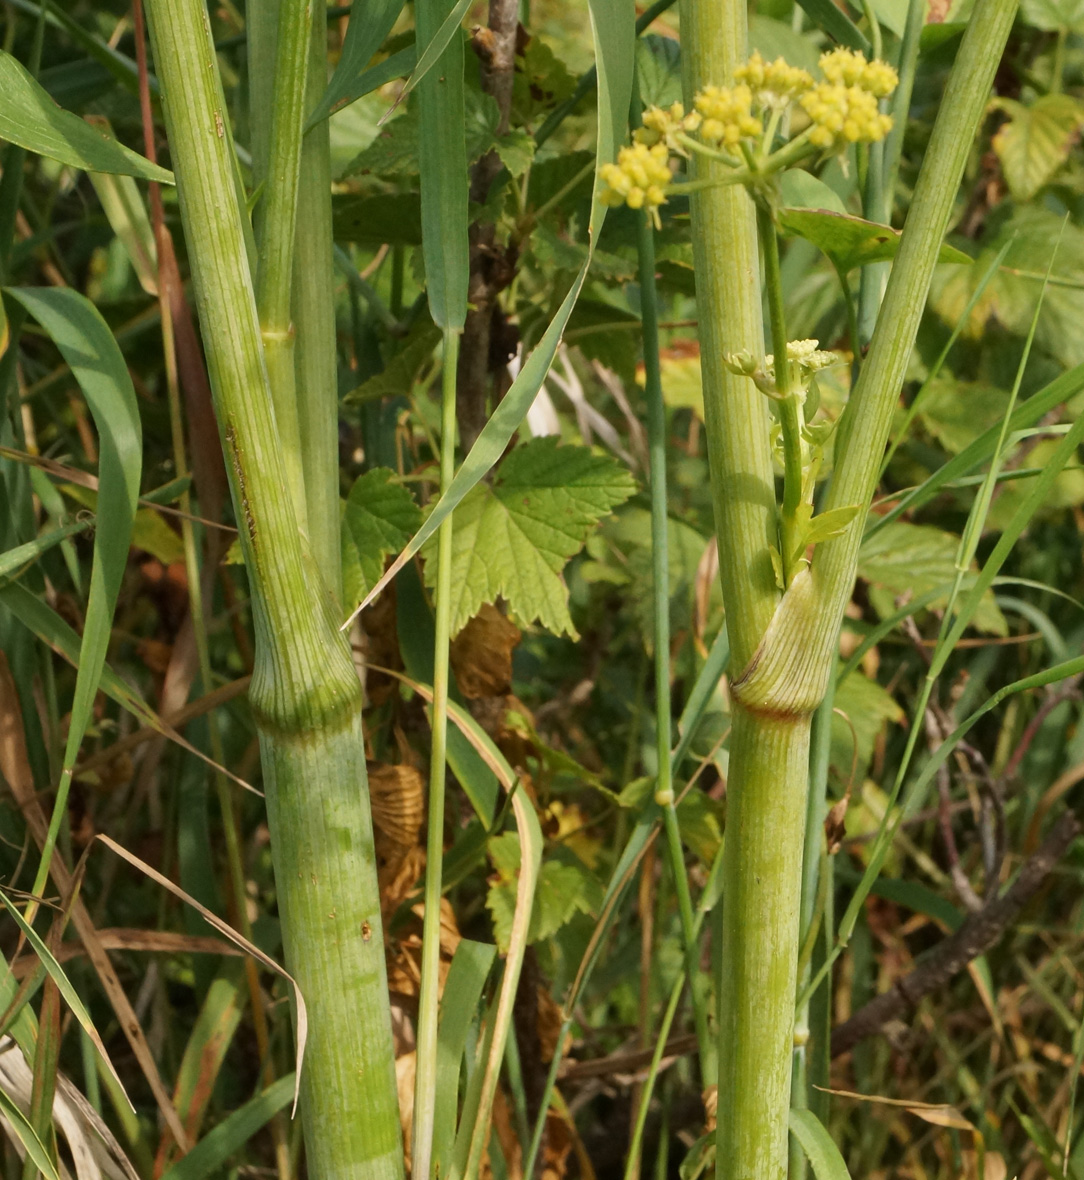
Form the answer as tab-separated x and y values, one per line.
514	537
378	518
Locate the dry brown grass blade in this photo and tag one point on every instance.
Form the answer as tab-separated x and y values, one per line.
15	767
228	932
123	938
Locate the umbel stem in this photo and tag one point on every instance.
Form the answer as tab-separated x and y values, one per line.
305	695
785	647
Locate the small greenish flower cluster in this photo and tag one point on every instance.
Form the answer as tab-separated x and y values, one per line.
844	108
737	125
804	355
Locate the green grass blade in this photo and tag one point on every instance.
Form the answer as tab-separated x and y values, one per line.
1027	414
614	38
216	1147
467	975
817	1144
442	162
35	1149
364	36
13	559
86	343
30	118
63	983
434	49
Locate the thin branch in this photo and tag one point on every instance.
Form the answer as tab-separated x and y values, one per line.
976	935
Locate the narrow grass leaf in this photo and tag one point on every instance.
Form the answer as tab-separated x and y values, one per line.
613	30
1027	414
35	1149
467	975
126	213
432	53
822	1153
364	35
230	1135
442	162
84	340
837	24
228	932
14	559
31	119
64	985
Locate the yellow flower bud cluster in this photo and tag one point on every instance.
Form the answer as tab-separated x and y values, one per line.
774	84
638	179
728	116
845	67
664	126
844	108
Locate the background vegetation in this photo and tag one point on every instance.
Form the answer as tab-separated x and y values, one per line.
976	1062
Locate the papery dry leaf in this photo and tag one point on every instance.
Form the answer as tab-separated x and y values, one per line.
556	1147
995	1167
550	1019
397	875
397	798
481	654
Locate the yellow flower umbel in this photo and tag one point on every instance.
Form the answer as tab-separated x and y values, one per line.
844	108
774	84
638	179
728	116
667	126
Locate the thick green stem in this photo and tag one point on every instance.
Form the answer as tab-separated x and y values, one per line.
305	696
277	222
737	420
762	888
425	1080
314	325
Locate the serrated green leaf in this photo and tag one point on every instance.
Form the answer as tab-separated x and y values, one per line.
1032	233
379	517
957	412
1035	140
864	708
904	558
514	537
516	151
563	890
658	70
851	241
31	119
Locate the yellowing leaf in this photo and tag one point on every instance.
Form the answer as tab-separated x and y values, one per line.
1035	141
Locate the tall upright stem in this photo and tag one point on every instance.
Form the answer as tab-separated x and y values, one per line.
425	1082
314	324
305	695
